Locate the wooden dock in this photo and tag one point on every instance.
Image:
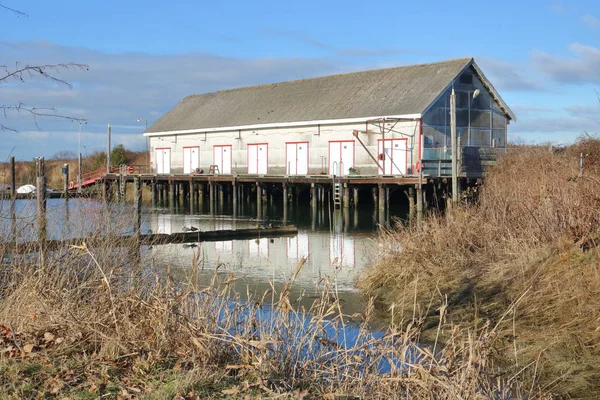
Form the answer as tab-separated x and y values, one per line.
154	239
320	190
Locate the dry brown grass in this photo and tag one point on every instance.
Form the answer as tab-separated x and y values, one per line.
85	322
525	260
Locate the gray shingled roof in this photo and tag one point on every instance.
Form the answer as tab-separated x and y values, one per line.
383	92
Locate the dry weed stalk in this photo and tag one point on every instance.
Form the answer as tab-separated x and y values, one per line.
527	252
110	308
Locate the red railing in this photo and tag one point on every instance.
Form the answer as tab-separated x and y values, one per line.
90	178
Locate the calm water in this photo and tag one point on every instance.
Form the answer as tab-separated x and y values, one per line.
338	245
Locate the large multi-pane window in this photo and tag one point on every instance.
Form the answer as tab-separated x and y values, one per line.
479	120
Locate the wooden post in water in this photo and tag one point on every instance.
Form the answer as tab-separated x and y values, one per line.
346	197
137	204
346	212
172	193
41	197
355	196
374	196
381	203
13	197
154	192
313	196
419	203
185	189
234	198
322	190
200	196
259	198
285	203
65	171
13	179
411	203
211	197
221	196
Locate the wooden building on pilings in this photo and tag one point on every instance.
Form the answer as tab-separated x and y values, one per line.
332	135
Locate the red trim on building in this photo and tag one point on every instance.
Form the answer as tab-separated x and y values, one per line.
383	148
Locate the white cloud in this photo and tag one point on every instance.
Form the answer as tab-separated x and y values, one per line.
509	76
591	21
120	88
582	67
558	7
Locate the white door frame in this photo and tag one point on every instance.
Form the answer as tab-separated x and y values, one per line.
163	167
258	165
344	163
292	161
391	165
193	162
224	168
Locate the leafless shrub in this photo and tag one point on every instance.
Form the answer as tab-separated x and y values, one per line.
527	254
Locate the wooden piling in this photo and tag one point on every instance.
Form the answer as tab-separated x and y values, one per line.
221	192
66	181
285	203
259	195
154	192
419	203
259	200
185	189
41	198
234	198
381	203
194	194
201	191
13	179
211	197
411	203
346	197
172	193
137	205
355	196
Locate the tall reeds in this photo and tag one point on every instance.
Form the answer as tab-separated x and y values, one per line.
523	260
83	321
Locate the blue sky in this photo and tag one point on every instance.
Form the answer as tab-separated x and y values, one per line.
145	56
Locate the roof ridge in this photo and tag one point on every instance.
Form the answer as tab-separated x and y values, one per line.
264	85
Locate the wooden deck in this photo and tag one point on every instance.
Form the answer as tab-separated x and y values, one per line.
277	179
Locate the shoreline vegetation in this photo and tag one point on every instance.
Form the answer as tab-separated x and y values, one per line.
25	170
82	322
524	262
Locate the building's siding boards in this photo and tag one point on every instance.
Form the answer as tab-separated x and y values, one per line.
277	137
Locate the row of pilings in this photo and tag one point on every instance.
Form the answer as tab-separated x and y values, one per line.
236	196
169	192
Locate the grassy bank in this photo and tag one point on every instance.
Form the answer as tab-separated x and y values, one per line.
525	261
86	322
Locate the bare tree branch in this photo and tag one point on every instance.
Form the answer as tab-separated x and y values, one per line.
19	13
45	71
35	112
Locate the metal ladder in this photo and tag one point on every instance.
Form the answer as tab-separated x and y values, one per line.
336	184
122	180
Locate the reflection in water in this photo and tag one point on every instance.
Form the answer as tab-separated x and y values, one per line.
336	256
337	244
